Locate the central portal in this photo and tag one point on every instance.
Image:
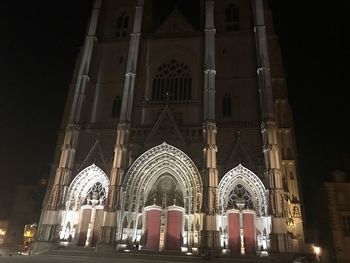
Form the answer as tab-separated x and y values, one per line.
163	189
164	215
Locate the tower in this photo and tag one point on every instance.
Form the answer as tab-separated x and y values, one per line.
178	134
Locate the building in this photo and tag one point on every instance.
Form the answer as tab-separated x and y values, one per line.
335	238
178	134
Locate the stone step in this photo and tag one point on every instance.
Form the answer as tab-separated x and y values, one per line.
77	251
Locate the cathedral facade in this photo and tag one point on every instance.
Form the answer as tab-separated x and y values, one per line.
178	134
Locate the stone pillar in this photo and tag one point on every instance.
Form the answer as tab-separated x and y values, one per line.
113	207
49	225
273	175
209	234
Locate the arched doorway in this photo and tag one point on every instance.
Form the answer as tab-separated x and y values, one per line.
162	200
83	217
245	223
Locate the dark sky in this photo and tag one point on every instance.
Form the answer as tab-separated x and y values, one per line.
40	41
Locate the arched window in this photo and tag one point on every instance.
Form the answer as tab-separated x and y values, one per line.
239	195
117	104
122	28
172	82
96	193
232	17
226	106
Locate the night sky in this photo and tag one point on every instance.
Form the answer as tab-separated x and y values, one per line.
39	44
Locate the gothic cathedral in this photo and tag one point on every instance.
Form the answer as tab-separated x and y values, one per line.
178	134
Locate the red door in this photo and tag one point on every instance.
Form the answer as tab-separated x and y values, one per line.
249	232
86	216
97	227
174	228
233	231
153	217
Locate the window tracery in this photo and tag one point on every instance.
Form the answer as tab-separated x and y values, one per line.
239	195
96	194
122	27
240	175
82	184
172	82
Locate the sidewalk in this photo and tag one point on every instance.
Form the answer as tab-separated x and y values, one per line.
10	250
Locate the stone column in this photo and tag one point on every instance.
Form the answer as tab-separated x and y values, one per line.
209	234
49	225
120	162
273	175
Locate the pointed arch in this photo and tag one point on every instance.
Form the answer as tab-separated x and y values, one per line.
117	104
156	162
251	183
122	25
232	17
83	182
172	82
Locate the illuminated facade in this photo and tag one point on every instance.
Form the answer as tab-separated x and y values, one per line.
3	230
178	134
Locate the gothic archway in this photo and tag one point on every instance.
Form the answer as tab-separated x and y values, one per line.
83	183
82	219
243	201
162	178
242	180
159	161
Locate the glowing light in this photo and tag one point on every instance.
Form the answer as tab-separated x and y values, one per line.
317	250
184	249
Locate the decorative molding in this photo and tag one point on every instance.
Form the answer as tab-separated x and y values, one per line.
157	161
251	182
82	183
175	23
239	154
166	128
95	155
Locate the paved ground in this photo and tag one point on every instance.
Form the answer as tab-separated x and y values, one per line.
123	257
80	259
6	250
10	255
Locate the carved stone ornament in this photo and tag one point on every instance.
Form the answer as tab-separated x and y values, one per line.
82	184
160	160
252	184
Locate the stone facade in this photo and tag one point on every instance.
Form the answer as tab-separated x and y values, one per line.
335	237
184	114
